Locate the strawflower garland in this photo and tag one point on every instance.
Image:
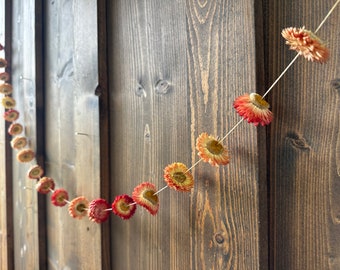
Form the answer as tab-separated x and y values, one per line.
251	107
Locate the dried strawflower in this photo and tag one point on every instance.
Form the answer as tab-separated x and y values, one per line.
25	155
211	150
98	210
306	43
8	102
123	206
253	108
15	129
59	197
78	207
3	63
45	185
11	115
6	88
178	177
35	172
144	195
18	142
4	76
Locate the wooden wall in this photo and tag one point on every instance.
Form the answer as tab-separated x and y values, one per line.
117	90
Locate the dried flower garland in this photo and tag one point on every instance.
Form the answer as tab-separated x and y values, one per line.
251	107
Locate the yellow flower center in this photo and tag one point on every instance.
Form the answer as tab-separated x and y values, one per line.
215	147
258	101
179	177
149	195
124	207
81	207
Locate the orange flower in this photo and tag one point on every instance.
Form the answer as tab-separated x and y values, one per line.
35	172
11	115
306	43
6	88
25	155
254	109
211	150
78	207
123	206
98	210
178	177
45	185
18	142
144	195
59	197
8	102
15	129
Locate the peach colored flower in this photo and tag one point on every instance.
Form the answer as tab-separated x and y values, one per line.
59	197
144	195
18	142
178	177
78	207
254	109
123	206
98	210
11	115
25	155
45	185
211	150
35	172
3	63
15	129
306	43
6	88
8	102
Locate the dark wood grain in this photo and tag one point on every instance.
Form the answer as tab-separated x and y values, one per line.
304	142
150	128
72	129
200	55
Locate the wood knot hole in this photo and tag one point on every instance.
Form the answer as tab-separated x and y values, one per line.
336	84
162	87
297	141
219	238
140	91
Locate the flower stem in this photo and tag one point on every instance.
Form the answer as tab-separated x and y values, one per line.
326	17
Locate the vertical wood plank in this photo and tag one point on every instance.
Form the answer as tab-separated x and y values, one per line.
149	128
221	64
72	129
26	242
304	142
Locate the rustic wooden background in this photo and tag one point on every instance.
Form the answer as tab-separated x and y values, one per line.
114	91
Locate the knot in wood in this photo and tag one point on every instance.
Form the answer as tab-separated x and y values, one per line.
219	238
162	87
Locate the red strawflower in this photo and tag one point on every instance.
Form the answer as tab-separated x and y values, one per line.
254	109
98	210
59	197
123	206
144	195
11	115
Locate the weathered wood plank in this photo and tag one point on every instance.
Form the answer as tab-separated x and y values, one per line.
201	54
304	142
26	251
71	109
149	128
